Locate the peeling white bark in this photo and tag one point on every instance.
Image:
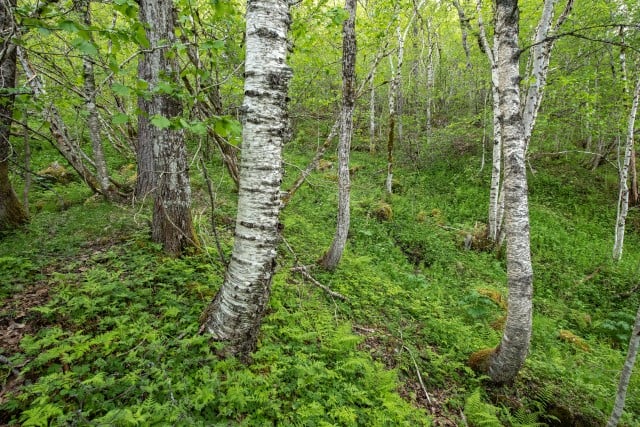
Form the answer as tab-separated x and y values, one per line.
236	312
510	355
623	194
625	375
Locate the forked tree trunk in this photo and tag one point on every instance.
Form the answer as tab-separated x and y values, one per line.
11	212
625	375
510	355
623	194
334	254
172	225
235	314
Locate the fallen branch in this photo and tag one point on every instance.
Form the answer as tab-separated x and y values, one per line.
302	270
419	376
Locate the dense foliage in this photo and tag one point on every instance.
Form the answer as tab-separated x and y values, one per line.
98	326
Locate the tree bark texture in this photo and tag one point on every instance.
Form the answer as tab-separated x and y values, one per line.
625	375
68	148
172	225
623	193
496	169
11	212
235	314
93	120
510	355
334	254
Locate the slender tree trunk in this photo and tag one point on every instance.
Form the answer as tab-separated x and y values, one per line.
172	225
392	125
623	194
146	179
235	314
372	115
69	149
102	173
27	168
625	375
334	254
541	54
11	212
510	355
495	216
464	28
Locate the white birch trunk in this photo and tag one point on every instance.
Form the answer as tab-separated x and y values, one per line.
510	355
334	254
93	123
495	216
625	375
234	316
372	114
623	194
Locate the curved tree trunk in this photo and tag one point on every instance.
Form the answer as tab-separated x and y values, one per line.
510	355
235	314
11	212
334	254
172	225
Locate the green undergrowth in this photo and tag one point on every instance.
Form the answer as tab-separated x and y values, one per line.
117	341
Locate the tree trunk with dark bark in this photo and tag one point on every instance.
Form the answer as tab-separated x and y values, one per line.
334	254
12	214
172	224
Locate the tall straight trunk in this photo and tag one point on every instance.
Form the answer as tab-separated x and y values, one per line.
334	254
510	355
496	162
394	97
235	314
625	375
372	116
93	120
172	224
146	179
392	126
623	193
68	148
11	212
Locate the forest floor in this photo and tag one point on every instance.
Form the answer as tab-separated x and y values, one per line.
98	327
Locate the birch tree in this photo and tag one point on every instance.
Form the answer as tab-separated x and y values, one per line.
394	94
625	375
12	213
235	314
623	193
510	355
172	224
93	120
334	254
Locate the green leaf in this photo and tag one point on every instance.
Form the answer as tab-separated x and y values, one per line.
85	47
160	122
67	25
120	119
120	89
212	44
140	36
